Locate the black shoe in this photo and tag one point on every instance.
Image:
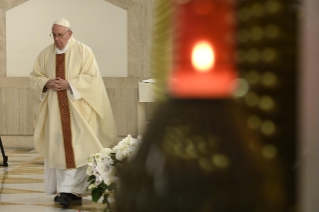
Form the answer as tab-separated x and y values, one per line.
64	199
56	198
76	198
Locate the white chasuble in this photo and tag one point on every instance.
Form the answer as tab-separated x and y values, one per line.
91	120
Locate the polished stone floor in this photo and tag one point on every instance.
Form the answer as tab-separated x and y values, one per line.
22	188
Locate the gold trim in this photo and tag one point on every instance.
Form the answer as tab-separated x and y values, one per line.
57	96
71	42
69	114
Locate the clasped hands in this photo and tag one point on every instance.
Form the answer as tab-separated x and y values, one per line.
57	84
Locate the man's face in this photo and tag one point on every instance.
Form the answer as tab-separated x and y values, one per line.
59	30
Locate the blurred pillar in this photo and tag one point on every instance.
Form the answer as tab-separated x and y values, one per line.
309	107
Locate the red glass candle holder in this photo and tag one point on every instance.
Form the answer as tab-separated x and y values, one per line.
204	50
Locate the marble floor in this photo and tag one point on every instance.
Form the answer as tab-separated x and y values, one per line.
22	187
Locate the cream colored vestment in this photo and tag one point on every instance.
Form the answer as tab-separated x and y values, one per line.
92	121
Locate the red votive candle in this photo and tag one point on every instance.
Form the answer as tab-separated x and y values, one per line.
204	50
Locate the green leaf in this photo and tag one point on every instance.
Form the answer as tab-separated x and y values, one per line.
96	195
92	179
105	200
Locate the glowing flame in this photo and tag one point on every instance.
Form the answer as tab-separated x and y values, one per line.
203	57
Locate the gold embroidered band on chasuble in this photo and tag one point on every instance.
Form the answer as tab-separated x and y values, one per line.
65	114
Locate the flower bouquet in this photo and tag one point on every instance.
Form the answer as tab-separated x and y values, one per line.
102	168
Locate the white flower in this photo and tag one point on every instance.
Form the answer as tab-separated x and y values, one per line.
120	146
98	156
91	186
109	176
134	142
130	150
101	165
119	156
99	170
101	158
91	160
95	171
106	151
106	161
109	180
127	139
89	170
98	179
125	151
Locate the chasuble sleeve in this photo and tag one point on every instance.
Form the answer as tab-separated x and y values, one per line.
42	96
38	77
73	93
89	83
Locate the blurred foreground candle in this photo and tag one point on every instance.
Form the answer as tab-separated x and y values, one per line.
204	65
196	154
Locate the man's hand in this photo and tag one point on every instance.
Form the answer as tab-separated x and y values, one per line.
57	84
61	84
50	84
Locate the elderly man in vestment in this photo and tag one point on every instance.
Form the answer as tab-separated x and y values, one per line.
73	118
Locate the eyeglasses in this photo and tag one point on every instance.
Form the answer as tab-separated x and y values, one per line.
60	36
